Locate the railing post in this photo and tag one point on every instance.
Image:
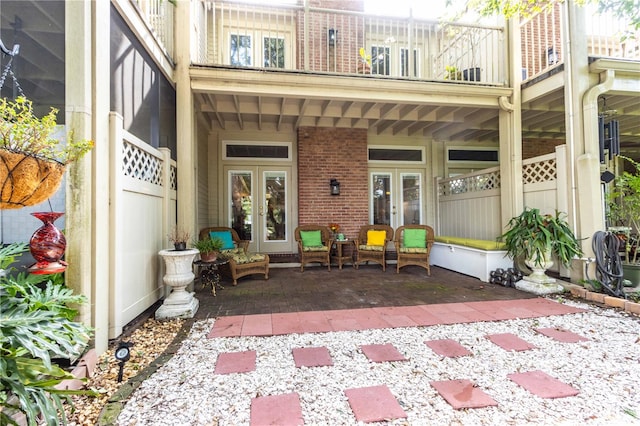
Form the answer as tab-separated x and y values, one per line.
306	35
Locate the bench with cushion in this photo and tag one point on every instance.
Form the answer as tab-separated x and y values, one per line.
470	256
241	262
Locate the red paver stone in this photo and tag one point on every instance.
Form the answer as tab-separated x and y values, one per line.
541	384
447	347
382	353
510	342
374	404
227	327
236	362
281	410
257	325
286	323
463	394
312	357
561	335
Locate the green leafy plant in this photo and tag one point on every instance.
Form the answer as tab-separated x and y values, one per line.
36	326
208	245
452	73
623	201
532	234
22	132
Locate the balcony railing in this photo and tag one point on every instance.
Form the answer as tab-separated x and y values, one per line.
158	14
318	40
542	44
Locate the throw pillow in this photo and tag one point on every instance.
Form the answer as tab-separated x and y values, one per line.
311	238
415	238
376	238
225	236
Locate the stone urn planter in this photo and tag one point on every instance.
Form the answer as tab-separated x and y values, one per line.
179	274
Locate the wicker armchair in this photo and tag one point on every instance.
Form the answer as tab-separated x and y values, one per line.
417	254
313	254
372	253
241	262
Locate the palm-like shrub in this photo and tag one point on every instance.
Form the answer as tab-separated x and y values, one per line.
36	326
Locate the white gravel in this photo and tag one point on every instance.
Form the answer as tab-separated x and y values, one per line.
605	369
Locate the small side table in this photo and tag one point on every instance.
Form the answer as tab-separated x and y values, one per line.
209	273
340	256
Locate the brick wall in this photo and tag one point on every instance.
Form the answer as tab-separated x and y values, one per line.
325	154
540	34
534	147
343	57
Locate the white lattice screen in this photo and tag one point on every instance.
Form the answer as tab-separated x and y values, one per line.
475	183
141	165
540	171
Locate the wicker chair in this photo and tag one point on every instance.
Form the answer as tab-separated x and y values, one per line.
319	254
241	262
418	256
368	253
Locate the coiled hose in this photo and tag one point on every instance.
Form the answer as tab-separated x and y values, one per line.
608	263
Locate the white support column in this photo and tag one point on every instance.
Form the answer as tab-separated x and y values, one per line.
583	160
510	126
100	227
78	116
185	152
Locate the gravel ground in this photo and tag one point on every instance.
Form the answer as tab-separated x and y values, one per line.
150	340
605	369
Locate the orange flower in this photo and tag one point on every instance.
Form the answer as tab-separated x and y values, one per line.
334	227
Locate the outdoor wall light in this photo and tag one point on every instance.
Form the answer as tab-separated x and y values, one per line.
552	56
335	187
333	37
123	353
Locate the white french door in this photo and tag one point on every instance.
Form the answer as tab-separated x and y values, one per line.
258	206
396	197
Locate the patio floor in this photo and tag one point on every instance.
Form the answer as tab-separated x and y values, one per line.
316	289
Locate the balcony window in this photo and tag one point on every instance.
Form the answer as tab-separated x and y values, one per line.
273	48
380	60
404	63
240	50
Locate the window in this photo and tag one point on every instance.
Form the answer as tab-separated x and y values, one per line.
240	50
276	151
273	52
380	60
396	154
404	63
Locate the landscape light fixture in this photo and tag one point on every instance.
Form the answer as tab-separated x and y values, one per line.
123	353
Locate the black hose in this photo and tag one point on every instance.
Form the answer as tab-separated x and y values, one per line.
608	263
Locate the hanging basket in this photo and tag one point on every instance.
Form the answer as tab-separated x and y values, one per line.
26	180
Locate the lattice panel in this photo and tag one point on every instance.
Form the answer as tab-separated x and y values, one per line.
542	171
141	165
173	178
476	183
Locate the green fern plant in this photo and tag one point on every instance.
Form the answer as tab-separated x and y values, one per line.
36	326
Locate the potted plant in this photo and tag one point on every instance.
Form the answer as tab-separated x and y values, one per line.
179	238
452	73
364	62
624	211
209	248
32	161
535	237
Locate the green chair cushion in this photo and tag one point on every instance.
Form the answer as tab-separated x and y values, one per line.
366	247
311	238
415	238
315	248
470	242
413	250
225	236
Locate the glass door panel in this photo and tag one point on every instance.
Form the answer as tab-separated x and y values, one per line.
381	198
242	203
411	198
276	205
